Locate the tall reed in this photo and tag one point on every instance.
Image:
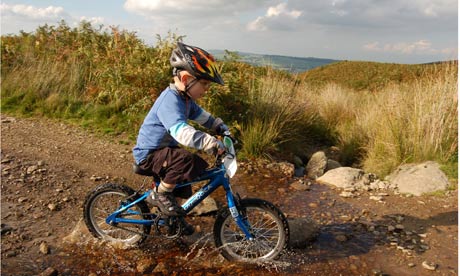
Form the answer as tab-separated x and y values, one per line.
412	123
279	116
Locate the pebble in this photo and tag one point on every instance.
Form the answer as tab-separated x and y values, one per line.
399	227
22	199
346	194
341	238
300	186
52	206
44	248
31	169
429	265
376	198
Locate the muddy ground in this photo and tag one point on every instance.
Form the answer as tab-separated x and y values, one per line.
48	167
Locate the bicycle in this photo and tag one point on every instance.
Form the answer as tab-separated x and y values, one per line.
248	229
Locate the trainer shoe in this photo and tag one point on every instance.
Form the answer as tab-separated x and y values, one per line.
167	203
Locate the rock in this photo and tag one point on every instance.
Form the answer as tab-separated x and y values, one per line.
332	164
376	198
417	179
343	177
208	205
96	178
50	271
299	172
316	165
346	194
22	199
284	167
399	227
44	248
52	206
31	169
429	265
302	230
300	185
5	229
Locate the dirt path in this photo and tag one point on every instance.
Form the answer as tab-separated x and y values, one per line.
48	167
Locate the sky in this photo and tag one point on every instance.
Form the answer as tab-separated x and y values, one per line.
395	31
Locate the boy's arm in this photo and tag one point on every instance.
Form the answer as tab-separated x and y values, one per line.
205	119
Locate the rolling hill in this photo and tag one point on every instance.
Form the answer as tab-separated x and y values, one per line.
291	64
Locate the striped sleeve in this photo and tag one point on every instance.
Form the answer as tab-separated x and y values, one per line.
190	137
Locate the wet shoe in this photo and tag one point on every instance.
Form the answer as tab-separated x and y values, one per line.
167	204
187	229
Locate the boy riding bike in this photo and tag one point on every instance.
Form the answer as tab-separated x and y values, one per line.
165	127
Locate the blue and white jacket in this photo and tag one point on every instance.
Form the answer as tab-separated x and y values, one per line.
166	125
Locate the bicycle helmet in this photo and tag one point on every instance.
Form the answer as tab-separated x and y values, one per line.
196	61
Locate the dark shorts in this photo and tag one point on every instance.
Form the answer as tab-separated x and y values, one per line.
175	165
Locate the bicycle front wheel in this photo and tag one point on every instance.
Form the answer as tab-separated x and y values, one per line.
267	224
105	200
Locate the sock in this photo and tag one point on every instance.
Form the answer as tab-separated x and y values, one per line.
162	189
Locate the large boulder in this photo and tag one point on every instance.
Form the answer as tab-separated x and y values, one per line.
417	179
343	177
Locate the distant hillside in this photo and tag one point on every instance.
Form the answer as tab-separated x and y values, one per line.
361	75
291	64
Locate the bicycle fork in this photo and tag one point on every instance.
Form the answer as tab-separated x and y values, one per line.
242	223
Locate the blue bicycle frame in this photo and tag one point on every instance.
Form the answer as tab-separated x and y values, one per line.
216	177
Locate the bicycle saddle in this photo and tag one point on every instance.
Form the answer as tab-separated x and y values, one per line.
139	170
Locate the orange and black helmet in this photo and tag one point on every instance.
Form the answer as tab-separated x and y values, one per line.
196	61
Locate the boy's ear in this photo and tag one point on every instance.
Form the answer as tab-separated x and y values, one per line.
185	77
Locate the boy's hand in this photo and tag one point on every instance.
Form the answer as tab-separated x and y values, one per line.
222	129
220	147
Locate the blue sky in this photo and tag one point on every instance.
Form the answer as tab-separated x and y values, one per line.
399	31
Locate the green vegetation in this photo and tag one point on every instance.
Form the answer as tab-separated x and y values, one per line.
378	115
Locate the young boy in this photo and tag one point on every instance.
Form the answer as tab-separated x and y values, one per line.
165	127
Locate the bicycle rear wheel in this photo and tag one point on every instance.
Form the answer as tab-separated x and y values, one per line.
266	222
105	200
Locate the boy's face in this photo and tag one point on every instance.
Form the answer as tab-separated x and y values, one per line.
199	88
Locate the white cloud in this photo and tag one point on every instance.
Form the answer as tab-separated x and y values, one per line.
33	13
28	18
190	8
417	47
408	14
278	17
93	20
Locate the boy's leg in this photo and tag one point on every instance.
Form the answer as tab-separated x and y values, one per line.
164	199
